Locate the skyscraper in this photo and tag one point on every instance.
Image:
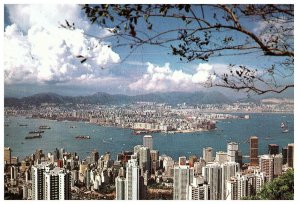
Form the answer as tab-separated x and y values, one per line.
277	165
208	154
132	180
120	188
182	180
37	182
221	157
266	164
284	152
273	149
7	155
253	151
212	174
144	159
229	169
148	141
290	155
94	156
154	157
232	152
57	184
49	183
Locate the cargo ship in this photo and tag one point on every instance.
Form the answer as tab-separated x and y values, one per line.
36	131
83	137
33	136
44	127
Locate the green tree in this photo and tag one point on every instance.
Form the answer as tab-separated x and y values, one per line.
281	188
201	32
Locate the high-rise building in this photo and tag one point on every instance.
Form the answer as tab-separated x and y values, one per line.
273	149
198	190
183	177
144	159
229	169
266	164
232	151
182	161
94	156
290	155
120	188
57	184
284	152
249	184
277	165
253	151
198	166
221	157
7	155
148	141
192	160
231	189
154	157
132	180
208	154
212	174
37	172
13	172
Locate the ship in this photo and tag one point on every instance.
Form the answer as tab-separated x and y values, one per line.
36	131
82	137
44	127
33	136
23	125
282	125
285	130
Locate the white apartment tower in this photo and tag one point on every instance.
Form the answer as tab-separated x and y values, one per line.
183	177
37	182
120	188
132	180
232	152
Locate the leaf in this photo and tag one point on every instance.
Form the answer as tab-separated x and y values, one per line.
187	8
82	61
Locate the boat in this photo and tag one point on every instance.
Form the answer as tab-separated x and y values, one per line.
285	130
23	125
33	136
282	125
44	127
36	131
83	137
139	132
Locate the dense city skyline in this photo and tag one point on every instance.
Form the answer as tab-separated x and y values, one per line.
148	101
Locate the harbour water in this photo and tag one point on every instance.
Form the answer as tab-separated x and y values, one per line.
114	140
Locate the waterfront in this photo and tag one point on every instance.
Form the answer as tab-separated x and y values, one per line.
62	135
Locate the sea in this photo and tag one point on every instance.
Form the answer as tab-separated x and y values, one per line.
266	126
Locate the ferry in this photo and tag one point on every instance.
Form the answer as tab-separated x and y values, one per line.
44	127
82	137
33	136
36	131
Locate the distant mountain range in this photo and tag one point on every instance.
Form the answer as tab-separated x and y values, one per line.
171	98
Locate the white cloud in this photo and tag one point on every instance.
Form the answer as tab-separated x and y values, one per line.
37	50
165	79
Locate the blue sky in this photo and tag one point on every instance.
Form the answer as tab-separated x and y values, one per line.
40	57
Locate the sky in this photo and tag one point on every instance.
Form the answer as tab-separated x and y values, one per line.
40	56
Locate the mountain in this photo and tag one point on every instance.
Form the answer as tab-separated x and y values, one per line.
171	98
